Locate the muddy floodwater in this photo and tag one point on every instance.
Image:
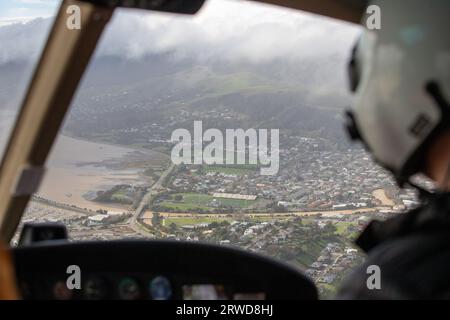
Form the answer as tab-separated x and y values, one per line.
381	195
76	168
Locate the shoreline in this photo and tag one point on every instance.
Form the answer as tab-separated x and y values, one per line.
78	166
114	144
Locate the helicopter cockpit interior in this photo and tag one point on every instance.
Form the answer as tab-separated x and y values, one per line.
41	263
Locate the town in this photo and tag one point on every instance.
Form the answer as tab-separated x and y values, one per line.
308	215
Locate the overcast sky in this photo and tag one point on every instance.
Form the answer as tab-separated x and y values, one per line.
228	29
12	11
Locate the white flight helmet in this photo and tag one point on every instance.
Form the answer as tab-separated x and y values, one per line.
401	77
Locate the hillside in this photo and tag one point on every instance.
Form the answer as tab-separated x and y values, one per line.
168	94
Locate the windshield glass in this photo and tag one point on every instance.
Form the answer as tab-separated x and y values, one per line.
225	127
24	26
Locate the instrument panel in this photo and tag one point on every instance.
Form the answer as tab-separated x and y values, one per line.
155	270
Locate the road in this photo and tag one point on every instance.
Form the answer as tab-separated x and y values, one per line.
152	191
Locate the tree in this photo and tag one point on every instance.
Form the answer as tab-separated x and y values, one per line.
329	228
172	227
214	224
156	219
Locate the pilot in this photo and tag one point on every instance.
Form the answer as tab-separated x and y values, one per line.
400	75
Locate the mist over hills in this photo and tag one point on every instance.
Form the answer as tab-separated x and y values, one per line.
237	80
156	89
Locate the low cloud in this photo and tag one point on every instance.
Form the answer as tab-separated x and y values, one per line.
224	30
22	42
